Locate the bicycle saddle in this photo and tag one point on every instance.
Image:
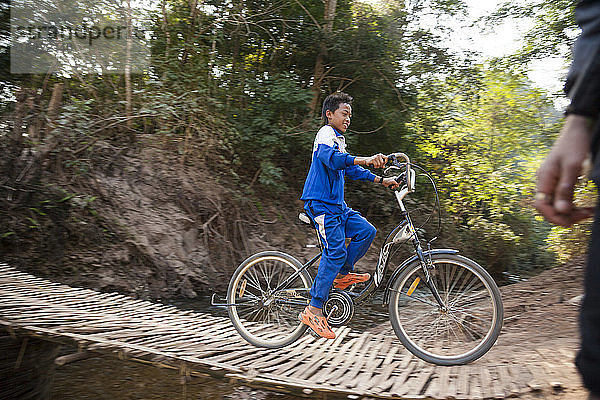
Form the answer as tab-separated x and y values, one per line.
306	219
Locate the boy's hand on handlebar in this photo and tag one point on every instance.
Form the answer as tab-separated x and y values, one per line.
390	183
378	160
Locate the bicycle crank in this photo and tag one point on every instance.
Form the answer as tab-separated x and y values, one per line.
339	308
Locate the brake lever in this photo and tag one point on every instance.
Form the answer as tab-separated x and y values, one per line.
400	179
385	171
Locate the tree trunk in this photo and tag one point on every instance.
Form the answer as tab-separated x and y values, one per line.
128	89
165	28
54	106
19	114
318	78
191	29
329	16
211	64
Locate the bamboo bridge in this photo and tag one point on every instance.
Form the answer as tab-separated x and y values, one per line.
354	365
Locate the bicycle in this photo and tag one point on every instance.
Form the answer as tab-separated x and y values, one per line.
445	308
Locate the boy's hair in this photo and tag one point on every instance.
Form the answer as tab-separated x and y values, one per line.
332	103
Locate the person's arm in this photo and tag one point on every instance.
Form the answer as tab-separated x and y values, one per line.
333	158
558	174
378	160
356	172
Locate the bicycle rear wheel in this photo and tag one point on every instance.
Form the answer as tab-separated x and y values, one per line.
263	316
465	330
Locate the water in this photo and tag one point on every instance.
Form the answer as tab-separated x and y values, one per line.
107	378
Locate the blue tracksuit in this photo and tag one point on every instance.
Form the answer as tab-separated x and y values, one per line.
323	197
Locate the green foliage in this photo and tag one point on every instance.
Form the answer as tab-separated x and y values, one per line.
552	34
263	120
569	242
487	149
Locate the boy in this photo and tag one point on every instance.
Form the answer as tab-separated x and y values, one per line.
324	203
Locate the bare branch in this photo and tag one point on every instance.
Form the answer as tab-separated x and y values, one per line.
309	14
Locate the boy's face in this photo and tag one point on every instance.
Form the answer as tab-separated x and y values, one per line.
340	119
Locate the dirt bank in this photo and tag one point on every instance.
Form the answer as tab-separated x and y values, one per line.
141	222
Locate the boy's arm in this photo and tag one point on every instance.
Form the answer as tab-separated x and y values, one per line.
378	160
334	159
356	172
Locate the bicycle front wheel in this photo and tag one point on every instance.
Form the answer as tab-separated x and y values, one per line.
461	331
262	314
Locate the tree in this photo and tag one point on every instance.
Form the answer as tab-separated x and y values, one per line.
552	35
486	149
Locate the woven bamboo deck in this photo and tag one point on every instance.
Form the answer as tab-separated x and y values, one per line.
355	363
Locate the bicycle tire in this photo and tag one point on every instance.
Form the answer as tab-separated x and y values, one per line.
466	330
261	316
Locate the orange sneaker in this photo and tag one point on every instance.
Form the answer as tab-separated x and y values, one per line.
316	323
350	279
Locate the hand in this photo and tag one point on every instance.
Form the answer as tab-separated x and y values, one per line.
390	183
377	161
559	172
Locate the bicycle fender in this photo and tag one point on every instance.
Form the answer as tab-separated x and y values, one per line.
397	271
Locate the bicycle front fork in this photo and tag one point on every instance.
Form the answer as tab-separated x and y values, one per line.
426	264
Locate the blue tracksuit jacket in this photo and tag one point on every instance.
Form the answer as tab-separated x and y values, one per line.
330	163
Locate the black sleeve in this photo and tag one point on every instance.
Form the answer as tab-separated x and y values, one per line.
583	80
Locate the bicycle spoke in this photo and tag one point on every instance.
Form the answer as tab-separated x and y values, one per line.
456	279
479	329
254	282
467	288
417	298
468	298
470	315
475	334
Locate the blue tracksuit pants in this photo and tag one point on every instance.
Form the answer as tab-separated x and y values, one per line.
335	224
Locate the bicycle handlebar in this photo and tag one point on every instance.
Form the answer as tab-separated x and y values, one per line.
393	157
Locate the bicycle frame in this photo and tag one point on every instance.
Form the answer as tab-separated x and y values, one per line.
400	234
